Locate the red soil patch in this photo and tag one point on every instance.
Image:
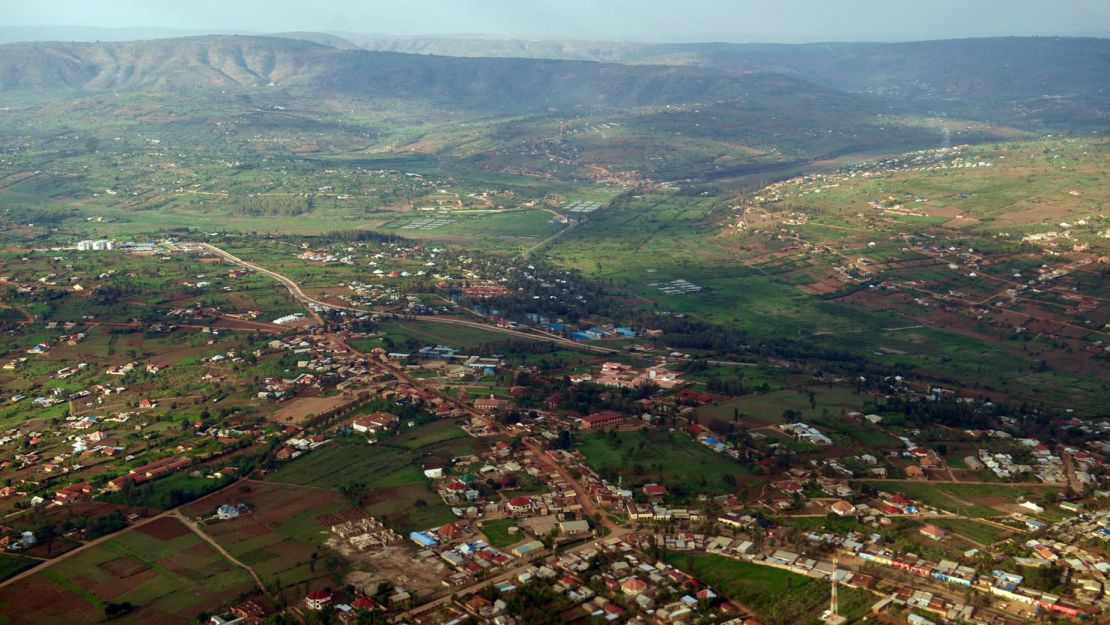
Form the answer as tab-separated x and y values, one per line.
37	599
124	566
111	589
164	528
301	408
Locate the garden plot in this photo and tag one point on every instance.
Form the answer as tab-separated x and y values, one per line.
677	287
582	207
424	223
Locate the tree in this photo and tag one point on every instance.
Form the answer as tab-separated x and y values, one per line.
114	610
354	492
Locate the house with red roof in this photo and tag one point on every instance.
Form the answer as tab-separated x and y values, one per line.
788	486
897	501
633	586
365	603
600	421
317	599
521	504
934	532
374	423
73	492
655	491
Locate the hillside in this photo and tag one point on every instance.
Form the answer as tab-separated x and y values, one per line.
1037	81
577	119
491	85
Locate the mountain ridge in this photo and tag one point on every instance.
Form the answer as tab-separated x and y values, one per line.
500	84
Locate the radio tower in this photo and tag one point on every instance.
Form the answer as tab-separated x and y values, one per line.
834	617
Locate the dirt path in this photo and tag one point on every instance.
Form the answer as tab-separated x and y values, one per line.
84	546
192	525
172	513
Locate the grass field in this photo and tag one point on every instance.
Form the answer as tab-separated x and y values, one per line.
668	458
429	434
398	492
163	568
977	532
973	500
497	531
11	565
428	333
276	538
337	464
778	597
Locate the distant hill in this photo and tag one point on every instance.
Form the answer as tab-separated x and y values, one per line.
1034	80
324	39
23	34
487	84
540	116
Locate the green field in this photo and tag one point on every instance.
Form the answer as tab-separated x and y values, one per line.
418	334
778	597
497	531
973	500
673	459
336	464
396	489
11	565
980	533
176	577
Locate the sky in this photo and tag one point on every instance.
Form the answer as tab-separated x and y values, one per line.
787	21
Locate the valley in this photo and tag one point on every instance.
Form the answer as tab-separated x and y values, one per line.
316	329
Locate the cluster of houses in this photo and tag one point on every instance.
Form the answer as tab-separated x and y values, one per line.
471	558
1065	544
430	354
620	375
504	469
1006	585
319	364
805	433
611	583
149	471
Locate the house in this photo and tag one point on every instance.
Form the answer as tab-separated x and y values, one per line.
914	472
365	603
491	405
317	599
655	491
633	586
1029	505
600	421
433	469
934	532
574	528
158	468
842	508
252	610
520	505
374	423
73	492
227	512
477	604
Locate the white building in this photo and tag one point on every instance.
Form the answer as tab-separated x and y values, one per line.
96	245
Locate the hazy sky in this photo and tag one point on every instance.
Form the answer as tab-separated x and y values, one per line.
655	20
